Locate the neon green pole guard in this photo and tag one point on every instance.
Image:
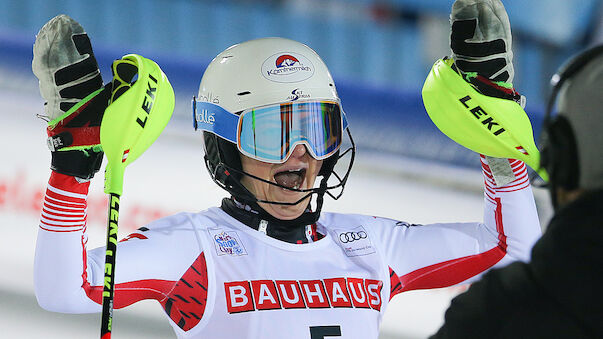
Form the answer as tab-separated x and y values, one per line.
487	125
134	120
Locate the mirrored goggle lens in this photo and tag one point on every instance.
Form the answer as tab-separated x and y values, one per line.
271	133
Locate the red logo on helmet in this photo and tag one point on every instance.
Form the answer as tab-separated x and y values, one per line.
286	60
287	67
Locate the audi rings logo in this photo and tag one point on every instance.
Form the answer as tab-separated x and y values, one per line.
352	236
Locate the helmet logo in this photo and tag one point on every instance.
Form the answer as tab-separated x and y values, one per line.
287	67
296	94
286	60
209	97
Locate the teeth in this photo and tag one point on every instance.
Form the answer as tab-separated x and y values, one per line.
296	187
288	181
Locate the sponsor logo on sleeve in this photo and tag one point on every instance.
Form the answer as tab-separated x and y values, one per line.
287	67
406	224
398	223
227	243
355	242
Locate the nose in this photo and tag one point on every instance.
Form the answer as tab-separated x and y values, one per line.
299	151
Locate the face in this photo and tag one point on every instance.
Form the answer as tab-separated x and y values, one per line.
299	171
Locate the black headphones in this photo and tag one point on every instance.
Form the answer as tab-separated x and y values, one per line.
559	154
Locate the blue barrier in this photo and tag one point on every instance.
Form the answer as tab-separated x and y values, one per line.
354	46
385	119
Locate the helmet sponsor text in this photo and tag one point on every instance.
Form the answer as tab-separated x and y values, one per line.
287	67
298	94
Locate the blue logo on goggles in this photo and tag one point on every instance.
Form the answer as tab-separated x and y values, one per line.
270	133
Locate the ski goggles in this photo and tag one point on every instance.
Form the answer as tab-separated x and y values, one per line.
270	133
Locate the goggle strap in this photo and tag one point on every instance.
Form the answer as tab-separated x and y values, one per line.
213	118
206	109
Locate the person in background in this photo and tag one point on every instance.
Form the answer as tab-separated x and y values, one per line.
558	294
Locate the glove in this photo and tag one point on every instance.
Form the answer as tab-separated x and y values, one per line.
71	84
480	40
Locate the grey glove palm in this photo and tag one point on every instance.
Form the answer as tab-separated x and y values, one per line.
481	39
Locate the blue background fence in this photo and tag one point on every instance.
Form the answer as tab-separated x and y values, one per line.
378	51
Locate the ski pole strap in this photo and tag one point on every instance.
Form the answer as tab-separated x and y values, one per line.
79	127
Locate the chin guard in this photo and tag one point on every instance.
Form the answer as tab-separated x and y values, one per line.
491	126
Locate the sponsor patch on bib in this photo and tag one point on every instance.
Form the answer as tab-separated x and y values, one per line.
227	242
355	242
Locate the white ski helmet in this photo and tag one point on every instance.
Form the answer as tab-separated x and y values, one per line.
258	73
266	71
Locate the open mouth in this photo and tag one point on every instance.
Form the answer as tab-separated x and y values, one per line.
291	178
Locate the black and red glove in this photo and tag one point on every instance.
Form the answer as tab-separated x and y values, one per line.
71	84
481	40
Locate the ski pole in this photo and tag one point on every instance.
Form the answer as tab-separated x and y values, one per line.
137	113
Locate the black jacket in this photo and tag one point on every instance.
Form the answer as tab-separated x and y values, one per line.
559	294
